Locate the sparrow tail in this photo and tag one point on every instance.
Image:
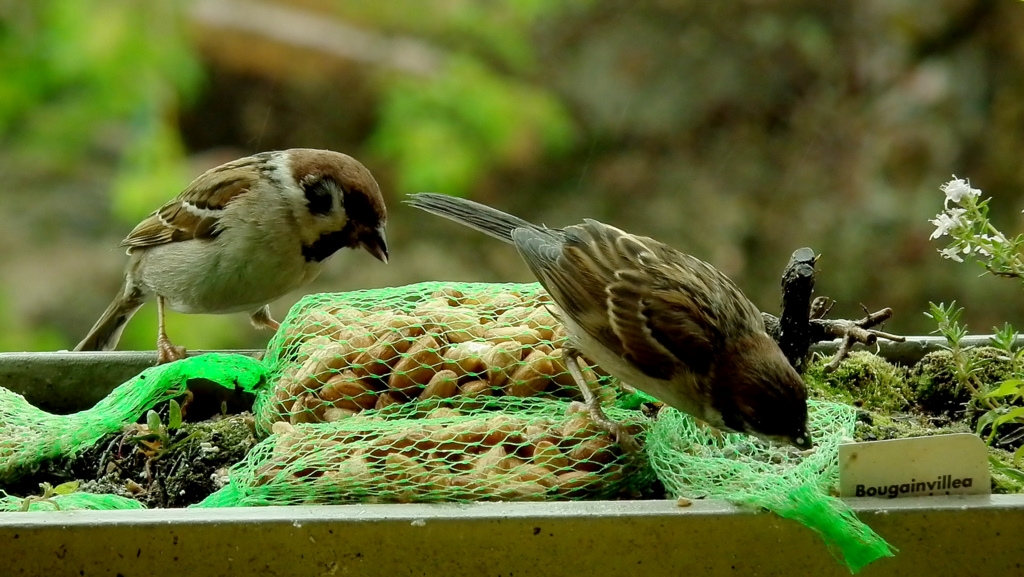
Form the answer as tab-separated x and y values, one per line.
107	331
483	218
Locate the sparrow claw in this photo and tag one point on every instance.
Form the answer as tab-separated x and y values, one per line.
625	440
261	319
168	352
592	403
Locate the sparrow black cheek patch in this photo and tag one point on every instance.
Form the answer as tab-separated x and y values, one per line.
320	196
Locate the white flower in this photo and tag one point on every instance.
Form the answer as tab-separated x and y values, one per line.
947	221
951	254
958	188
991	241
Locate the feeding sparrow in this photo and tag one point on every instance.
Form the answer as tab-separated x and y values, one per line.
660	320
242	235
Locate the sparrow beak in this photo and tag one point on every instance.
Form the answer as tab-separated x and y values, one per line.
802	442
376	244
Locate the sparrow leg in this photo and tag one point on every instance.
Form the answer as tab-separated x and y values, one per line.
261	319
593	403
166	351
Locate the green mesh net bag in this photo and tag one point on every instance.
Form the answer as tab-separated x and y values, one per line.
29	436
69	502
337	355
429	392
694	461
503	449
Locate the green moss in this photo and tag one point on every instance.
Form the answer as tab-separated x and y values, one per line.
935	388
1006	476
923	401
875	426
864	380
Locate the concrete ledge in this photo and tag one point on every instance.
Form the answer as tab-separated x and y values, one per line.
937	536
67	382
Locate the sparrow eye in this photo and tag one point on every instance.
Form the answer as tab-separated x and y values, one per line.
319	197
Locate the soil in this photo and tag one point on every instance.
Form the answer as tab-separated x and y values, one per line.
182	469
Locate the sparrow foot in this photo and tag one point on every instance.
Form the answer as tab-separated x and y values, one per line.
593	406
166	352
261	319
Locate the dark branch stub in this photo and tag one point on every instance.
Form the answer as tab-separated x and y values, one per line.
797	288
803	324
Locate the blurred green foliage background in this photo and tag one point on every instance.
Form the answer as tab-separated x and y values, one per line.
737	131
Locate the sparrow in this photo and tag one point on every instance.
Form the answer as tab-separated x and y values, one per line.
242	235
660	320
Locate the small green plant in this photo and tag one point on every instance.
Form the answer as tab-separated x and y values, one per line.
157	435
1000	402
966	367
49	492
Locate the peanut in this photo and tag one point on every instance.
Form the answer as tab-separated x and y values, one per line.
500	361
592	452
385	399
521	334
466	358
346	390
501	302
546	454
314	323
452	296
416	368
521	491
404	470
376	360
384	323
533	473
476	389
490	461
514	316
334	414
574	481
579	427
454	325
541	321
320	365
443	384
306	409
531	377
443	413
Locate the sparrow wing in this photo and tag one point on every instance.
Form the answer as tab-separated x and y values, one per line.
195	213
636	296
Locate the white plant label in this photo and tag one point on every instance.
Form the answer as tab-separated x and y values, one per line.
955	464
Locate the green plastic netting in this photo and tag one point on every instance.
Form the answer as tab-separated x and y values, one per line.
504	449
339	354
70	502
30	436
694	461
453	392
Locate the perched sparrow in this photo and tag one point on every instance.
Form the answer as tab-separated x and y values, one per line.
242	235
662	321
